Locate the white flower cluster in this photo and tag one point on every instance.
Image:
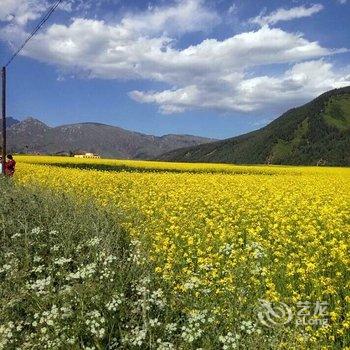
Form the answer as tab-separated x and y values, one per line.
171	327
157	298
148	303
37	258
107	274
154	322
194	329
229	341
226	249
165	345
84	272
47	317
36	231
193	283
136	256
258	250
115	302
40	286
135	337
6	334
11	266
62	261
5	268
95	321
109	259
249	327
93	242
55	248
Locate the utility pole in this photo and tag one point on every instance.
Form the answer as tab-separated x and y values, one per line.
3	76
3	101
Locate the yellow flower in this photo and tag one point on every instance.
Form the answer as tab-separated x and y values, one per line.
225	235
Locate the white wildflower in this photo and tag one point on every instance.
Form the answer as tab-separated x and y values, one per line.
115	302
229	341
95	322
248	326
39	285
93	242
154	322
62	261
171	327
36	231
165	345
136	337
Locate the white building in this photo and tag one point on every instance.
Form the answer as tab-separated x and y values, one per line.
87	155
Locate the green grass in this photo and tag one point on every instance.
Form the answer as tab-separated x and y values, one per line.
60	264
283	148
70	278
337	112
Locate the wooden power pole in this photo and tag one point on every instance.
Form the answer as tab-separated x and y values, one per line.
3	102
3	76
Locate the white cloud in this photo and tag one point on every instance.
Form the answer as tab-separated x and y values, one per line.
287	14
232	9
21	11
214	74
108	51
343	2
185	16
66	6
302	82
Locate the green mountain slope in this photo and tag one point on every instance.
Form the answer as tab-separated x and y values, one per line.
316	133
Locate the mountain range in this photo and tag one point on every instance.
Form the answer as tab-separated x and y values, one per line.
317	133
33	136
313	134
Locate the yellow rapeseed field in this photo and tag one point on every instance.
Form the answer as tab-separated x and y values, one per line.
223	237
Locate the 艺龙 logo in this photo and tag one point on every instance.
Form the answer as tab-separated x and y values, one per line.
274	314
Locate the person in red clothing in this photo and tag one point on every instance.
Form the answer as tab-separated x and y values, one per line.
10	165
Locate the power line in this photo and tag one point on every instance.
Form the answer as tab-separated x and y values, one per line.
35	30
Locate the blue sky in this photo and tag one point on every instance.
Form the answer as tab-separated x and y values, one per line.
209	68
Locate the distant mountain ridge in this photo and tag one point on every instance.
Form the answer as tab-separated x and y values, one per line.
9	122
314	134
33	136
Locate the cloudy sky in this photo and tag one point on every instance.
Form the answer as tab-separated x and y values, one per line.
204	67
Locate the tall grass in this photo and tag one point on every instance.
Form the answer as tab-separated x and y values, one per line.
70	278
